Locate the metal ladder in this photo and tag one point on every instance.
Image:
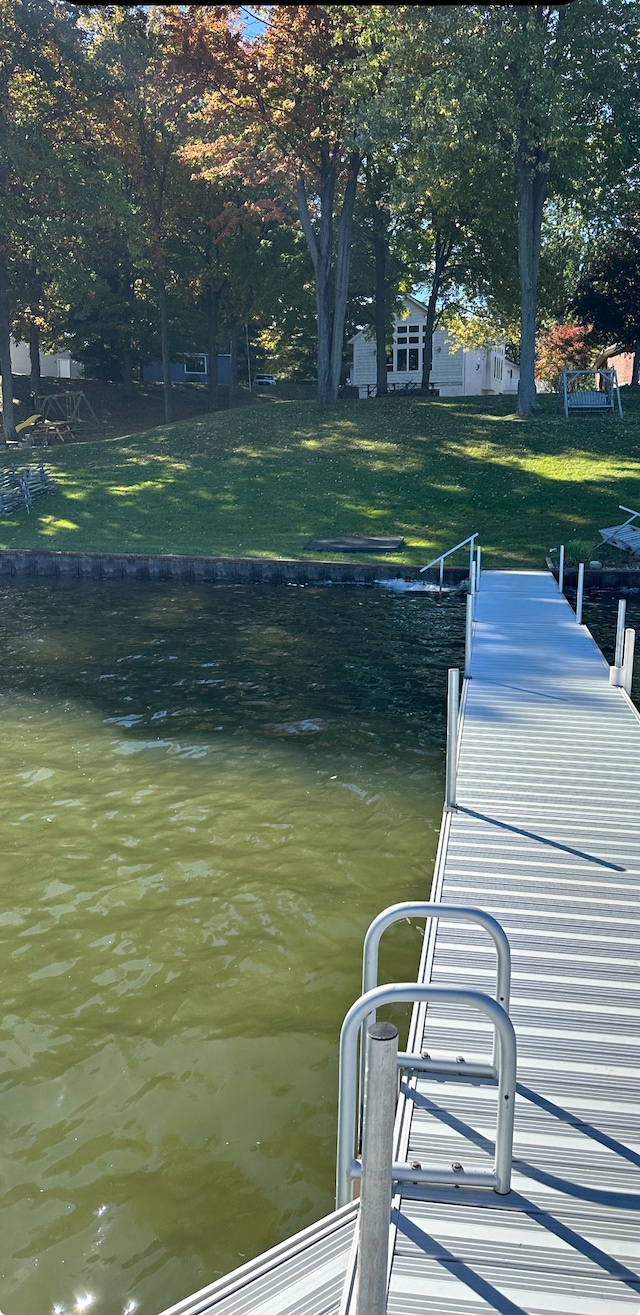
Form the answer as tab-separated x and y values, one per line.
501	1072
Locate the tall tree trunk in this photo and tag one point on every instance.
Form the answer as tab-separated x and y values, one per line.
321	250
164	340
635	369
127	348
532	191
323	312
8	421
380	253
233	378
341	285
213	315
427	359
127	373
34	358
443	250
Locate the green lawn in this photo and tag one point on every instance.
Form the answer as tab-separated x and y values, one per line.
262	480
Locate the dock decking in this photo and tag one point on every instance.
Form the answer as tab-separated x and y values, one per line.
546	837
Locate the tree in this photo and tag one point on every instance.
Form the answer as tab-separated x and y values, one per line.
564	82
136	48
295	94
608	293
562	347
531	104
46	135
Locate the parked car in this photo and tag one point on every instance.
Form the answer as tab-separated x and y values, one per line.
264	381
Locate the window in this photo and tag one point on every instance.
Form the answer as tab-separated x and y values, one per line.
401	360
389	361
401	334
413	358
195	365
414	332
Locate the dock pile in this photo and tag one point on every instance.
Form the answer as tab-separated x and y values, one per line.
19	488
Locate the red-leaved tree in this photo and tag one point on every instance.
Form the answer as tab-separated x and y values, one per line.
562	347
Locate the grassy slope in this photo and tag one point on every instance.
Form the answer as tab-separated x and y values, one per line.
260	481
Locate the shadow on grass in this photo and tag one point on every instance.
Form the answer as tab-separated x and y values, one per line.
264	480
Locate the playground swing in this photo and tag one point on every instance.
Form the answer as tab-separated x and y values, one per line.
590	390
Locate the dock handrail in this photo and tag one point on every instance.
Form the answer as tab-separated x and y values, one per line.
347	1167
470	539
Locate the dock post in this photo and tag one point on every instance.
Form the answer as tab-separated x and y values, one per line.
615	672
580	593
627	661
468	638
453	689
377	1159
561	570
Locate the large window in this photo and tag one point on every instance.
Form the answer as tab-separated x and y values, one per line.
413	358
195	365
401	360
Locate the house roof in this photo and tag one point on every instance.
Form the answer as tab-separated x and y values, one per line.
616	349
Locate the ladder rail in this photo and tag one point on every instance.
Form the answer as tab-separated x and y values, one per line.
347	1167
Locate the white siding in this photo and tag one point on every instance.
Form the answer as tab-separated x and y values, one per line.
53	365
363	370
447	370
454	372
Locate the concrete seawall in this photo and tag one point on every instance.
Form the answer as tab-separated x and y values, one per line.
38	564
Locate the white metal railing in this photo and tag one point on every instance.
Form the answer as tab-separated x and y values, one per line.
453	715
620	674
471	538
348	1167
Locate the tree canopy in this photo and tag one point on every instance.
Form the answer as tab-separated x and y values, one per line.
167	177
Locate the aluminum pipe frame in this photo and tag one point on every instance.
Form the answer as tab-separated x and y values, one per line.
347	1167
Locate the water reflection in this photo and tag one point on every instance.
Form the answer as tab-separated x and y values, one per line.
205	796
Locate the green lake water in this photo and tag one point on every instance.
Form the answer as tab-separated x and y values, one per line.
205	796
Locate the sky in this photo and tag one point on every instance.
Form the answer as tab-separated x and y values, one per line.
253	25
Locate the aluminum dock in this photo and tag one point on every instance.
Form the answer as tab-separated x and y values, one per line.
545	837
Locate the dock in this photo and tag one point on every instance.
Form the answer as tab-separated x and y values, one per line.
545	836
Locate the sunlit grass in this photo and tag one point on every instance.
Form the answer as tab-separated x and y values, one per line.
263	480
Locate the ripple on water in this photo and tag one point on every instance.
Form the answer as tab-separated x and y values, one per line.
182	914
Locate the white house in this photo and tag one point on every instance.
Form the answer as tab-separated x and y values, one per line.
456	372
53	365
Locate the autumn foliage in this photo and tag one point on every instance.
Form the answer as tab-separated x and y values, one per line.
562	347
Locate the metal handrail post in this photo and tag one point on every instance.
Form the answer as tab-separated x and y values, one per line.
561	570
377	1160
468	637
478	567
472	579
453	693
409	993
580	593
441	572
622	609
471	547
616	672
627	661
